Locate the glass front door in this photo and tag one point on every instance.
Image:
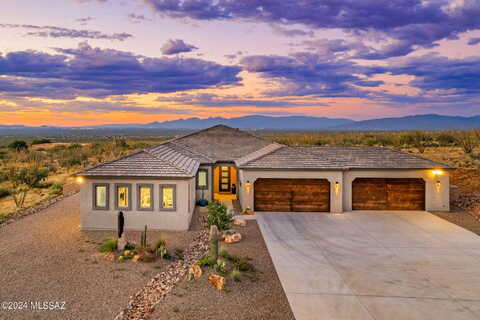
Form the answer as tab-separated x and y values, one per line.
224	179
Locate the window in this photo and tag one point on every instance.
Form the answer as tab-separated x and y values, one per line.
145	197
202	179
123	195
100	196
168	197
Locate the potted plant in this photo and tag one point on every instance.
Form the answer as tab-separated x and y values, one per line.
203	202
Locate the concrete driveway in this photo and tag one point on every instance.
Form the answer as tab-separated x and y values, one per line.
374	265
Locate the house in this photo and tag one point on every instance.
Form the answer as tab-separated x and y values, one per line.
160	186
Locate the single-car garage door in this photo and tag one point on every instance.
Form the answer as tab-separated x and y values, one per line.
388	194
286	195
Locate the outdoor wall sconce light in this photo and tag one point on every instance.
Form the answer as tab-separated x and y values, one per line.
438	185
248	187
437	172
79	180
336	187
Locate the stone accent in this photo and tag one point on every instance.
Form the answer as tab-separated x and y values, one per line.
218	282
240	222
232	236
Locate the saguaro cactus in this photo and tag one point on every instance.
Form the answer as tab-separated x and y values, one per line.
143	238
213	238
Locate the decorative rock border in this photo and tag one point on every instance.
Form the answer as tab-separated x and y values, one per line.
143	303
42	205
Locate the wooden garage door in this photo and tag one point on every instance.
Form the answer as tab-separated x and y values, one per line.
388	194
286	195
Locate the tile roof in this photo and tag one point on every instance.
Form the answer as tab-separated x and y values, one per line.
222	143
140	164
342	158
181	157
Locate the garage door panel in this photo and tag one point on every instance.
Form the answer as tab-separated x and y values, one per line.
388	194
287	195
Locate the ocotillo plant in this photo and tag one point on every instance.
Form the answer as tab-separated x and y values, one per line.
143	238
214	242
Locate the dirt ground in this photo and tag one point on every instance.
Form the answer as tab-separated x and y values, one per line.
258	296
45	257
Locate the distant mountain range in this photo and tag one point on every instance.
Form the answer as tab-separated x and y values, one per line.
416	122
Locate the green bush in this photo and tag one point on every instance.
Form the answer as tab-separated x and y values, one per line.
206	261
40	141
236	275
74	146
4	193
108	245
178	254
446	139
73	160
56	189
218	215
18	145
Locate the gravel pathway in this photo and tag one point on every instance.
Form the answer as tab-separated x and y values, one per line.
45	257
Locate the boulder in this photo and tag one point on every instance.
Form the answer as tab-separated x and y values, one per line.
109	256
194	272
136	258
248	211
218	282
240	222
232	236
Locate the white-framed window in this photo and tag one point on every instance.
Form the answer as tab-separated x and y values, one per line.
202	179
168	197
101	196
145	198
123	196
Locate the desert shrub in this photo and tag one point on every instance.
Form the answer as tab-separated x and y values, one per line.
224	254
206	261
4	193
160	242
18	145
23	180
56	189
446	139
3	154
220	267
108	245
467	141
74	146
121	143
218	215
243	264
236	275
178	253
40	141
73	160
129	246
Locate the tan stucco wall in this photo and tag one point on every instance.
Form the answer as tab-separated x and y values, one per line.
246	200
134	219
434	200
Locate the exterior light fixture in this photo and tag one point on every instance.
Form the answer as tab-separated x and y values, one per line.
438	185
437	172
79	180
336	187
248	187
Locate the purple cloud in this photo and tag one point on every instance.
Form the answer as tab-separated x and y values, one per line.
60	32
473	41
95	72
174	46
409	23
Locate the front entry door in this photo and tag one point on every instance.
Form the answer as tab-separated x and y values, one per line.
224	179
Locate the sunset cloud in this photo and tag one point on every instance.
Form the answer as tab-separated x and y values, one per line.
95	72
174	46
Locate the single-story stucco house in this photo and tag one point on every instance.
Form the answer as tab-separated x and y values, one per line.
160	186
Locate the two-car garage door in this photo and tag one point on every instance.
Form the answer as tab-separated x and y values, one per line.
303	195
388	194
286	195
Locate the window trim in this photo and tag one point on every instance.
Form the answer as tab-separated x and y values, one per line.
129	186
160	202
94	197
197	179
152	197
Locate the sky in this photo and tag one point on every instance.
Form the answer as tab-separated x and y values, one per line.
90	62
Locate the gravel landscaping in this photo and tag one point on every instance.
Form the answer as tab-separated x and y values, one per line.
45	257
257	296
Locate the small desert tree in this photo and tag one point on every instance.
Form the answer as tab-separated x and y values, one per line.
18	145
467	141
22	180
